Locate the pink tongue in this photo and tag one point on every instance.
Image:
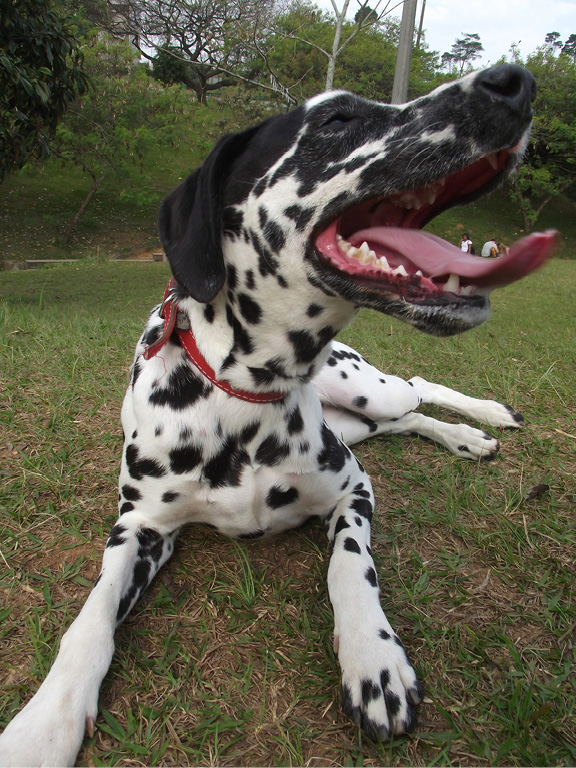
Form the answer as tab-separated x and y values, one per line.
436	257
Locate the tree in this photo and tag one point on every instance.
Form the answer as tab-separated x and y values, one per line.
214	38
463	53
569	47
40	74
109	131
365	67
553	40
550	166
344	33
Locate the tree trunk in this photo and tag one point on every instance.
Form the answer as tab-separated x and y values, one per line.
96	184
340	17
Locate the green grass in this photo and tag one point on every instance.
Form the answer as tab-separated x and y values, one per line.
228	657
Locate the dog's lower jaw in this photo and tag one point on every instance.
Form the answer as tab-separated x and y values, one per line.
447	320
437	317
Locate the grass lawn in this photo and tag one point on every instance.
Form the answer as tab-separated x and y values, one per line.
227	660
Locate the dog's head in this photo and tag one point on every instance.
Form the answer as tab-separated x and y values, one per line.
337	191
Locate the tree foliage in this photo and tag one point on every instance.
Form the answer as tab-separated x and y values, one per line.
40	74
214	39
550	166
118	123
365	67
465	51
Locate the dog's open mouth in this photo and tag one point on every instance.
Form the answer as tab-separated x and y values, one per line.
379	242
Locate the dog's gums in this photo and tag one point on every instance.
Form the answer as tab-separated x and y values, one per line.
380	241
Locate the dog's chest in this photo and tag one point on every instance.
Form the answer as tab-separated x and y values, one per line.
247	470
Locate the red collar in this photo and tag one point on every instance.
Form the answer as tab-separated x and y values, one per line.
169	313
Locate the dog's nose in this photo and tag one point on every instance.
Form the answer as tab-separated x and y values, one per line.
510	84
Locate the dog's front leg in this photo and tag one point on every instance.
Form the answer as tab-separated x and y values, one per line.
50	728
380	689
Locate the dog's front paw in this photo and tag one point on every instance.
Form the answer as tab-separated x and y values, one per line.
380	690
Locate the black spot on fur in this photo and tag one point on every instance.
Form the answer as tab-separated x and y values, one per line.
363	507
370	576
182	388
242	339
340	525
295	422
384	679
184	459
116	538
131	493
275	236
150	550
225	469
343	375
299	215
314	310
306	347
232	277
250	310
209	313
384	635
126	507
136	370
360	402
392	702
249	280
248	433
333	454
351	545
169	496
271	451
139	468
277	497
370	692
372	425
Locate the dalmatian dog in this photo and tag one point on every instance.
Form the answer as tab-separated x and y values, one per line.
286	230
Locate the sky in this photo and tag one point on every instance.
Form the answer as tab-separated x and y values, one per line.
498	22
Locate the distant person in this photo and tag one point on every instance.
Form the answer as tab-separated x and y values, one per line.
503	248
490	249
466	244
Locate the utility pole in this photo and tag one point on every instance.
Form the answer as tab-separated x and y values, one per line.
421	25
404	55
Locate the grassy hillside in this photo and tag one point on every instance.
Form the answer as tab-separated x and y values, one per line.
37	204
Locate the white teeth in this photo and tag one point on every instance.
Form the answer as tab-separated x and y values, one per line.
419	273
401	270
383	263
364	254
493	160
452	284
468	290
416	200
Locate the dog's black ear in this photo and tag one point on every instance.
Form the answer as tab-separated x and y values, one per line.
190	221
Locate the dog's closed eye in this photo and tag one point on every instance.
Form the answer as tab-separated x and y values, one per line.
339	120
